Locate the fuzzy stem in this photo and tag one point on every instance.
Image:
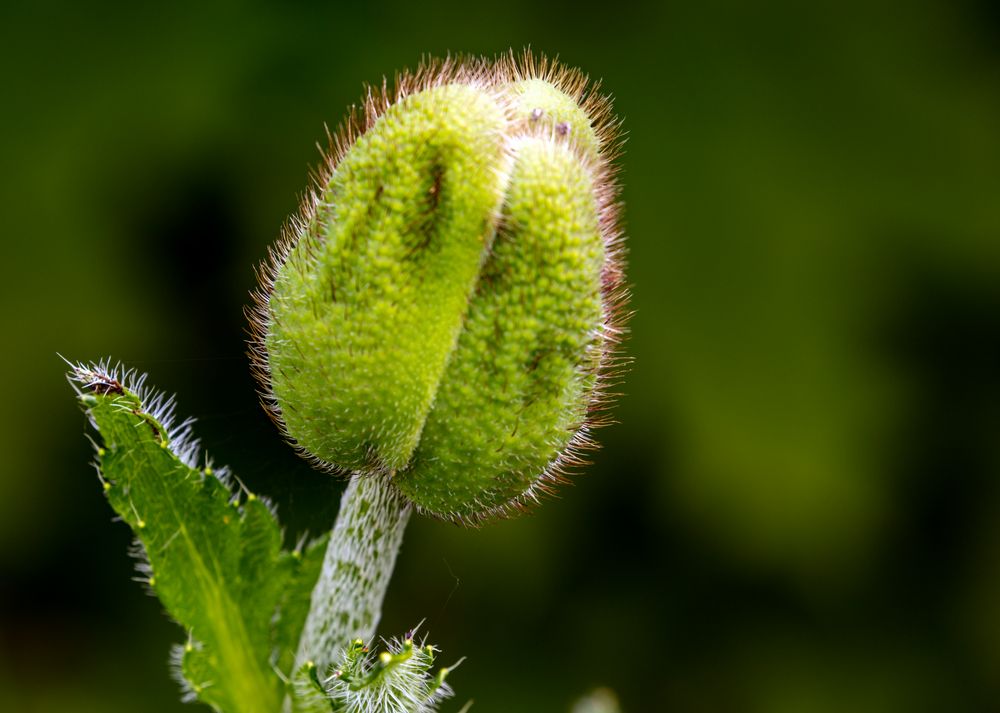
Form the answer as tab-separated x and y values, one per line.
347	598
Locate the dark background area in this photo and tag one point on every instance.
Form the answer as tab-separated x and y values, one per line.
799	509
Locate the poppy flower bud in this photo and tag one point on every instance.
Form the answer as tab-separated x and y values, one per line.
445	311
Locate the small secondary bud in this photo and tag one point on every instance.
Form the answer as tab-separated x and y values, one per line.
444	313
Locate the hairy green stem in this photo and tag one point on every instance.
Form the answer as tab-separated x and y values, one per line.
347	599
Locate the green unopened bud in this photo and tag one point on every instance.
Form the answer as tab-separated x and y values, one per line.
445	311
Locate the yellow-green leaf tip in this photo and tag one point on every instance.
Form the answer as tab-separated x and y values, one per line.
446	309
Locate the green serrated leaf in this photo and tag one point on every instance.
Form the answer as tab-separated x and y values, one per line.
397	680
309	694
303	568
197	674
214	563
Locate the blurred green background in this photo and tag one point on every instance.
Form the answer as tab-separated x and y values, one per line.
800	508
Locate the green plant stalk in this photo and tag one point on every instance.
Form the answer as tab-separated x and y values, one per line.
347	599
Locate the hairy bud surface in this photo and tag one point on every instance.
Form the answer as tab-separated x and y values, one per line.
445	311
